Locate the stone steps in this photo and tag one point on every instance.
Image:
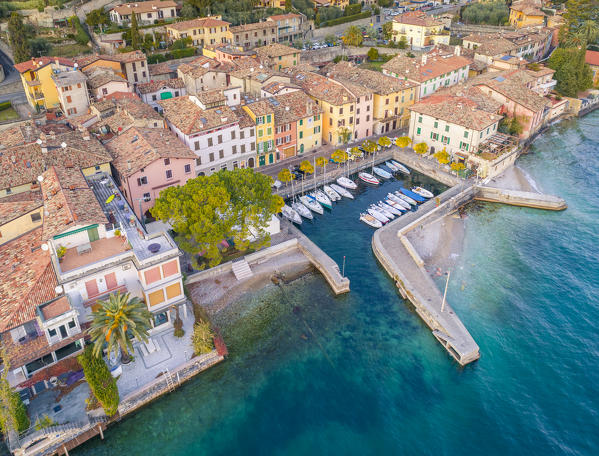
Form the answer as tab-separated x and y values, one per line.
241	269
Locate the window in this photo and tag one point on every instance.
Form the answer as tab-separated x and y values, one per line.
167	161
301	134
243	148
436	124
211	156
269	118
36	217
196	145
420	119
446	128
252	132
69	99
241	134
465	134
418	131
52	332
209	142
269	131
153	97
221	154
260	133
198	161
253	146
147	197
234	149
233	134
220	139
169	174
340	111
72	324
301	122
187	168
142	180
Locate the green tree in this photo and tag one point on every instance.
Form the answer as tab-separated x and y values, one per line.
321	162
13	413
134	32
490	13
188	11
285	176
330	39
384	141
97	18
387	30
339	156
515	127
353	36
457	166
100	381
17	38
421	148
369	146
572	74
589	30
306	167
345	134
39	47
202	6
442	156
202	340
403	43
373	54
235	204
116	319
288	5
403	142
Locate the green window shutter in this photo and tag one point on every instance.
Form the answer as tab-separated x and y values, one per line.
446	127
268	118
465	134
301	134
436	124
301	122
418	131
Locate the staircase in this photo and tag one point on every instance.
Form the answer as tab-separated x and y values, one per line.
241	269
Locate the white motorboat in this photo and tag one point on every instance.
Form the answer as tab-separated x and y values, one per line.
377	214
370	220
302	210
321	198
382	210
401	167
291	215
347	183
343	192
398	200
422	192
391	166
389	208
406	198
381	172
332	194
395	204
311	204
368	178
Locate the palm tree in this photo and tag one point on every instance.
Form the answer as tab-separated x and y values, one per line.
589	30
114	318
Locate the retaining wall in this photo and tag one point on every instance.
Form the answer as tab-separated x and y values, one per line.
520	198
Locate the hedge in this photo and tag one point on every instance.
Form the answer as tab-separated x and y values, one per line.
5	105
344	19
101	382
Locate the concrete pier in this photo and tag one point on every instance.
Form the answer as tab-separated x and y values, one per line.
520	198
402	262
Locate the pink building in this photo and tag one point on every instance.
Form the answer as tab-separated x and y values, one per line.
148	160
364	116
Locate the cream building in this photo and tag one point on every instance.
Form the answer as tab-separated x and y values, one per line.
419	30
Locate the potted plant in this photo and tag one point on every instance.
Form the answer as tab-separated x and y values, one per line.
60	252
117	233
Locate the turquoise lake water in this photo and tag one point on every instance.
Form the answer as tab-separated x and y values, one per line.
360	374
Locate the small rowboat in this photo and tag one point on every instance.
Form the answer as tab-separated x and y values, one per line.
401	167
311	204
389	208
339	189
378	215
302	210
422	192
407	199
370	220
414	196
395	204
291	215
332	194
391	166
383	211
403	203
321	198
381	172
347	183
368	178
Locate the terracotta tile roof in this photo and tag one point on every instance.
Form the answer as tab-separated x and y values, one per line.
322	88
156	69
455	109
282	17
68	201
276	86
56	308
143	7
23	164
198	23
417	18
261	107
528	7
275	50
244	119
21	134
27	279
482	100
514	90
67	78
293	106
125	57
373	80
139	147
592	58
252	26
154	86
210	97
15	206
20	354
191	118
436	65
99	76
39	62
496	46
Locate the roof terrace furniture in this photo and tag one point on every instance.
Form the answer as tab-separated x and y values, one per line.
84	248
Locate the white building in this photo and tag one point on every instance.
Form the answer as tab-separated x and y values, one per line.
152	92
146	12
72	92
222	137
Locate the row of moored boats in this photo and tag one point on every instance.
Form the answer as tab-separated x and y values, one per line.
394	205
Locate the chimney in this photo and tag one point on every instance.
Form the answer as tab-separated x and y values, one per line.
129	165
457	50
424	59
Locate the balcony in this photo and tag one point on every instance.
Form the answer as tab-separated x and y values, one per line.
34	83
97	251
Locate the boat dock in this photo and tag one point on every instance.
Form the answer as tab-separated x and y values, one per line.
520	198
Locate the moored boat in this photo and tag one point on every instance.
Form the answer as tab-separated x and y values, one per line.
302	210
389	208
399	200
347	183
332	194
422	192
391	166
311	204
406	198
395	204
343	192
401	167
378	215
291	215
368	178
411	194
323	199
381	172
370	220
383	211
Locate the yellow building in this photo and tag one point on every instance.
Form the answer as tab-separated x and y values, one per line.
271	4
278	56
202	31
419	30
592	60
526	12
20	214
36	76
263	115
